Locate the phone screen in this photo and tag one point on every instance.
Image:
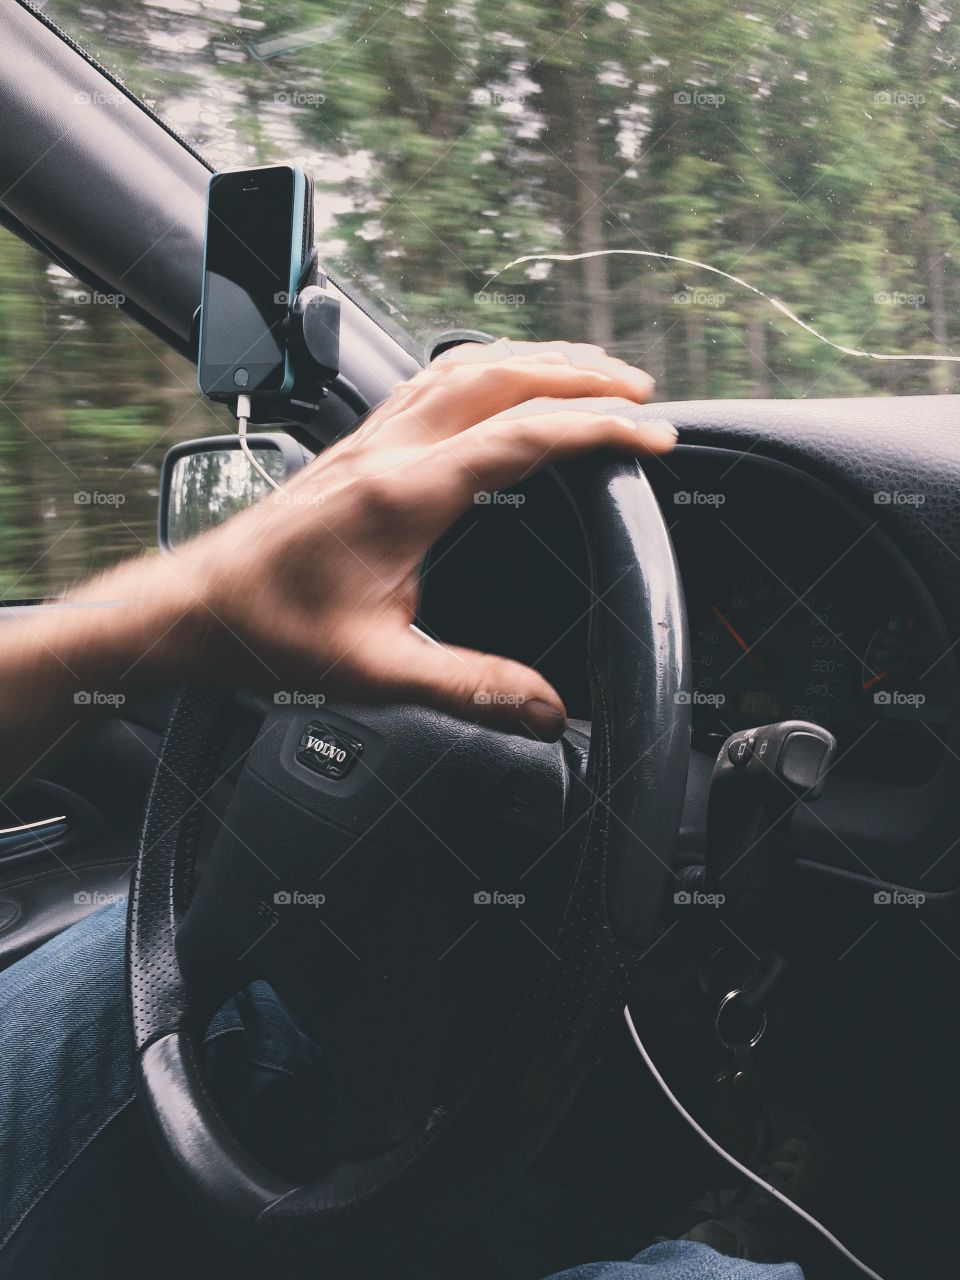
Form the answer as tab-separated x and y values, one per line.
250	227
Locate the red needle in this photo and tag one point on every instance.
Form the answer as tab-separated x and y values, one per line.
882	675
754	660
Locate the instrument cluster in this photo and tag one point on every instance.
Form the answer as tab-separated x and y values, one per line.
800	608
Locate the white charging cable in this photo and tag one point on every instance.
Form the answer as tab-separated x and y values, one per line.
243	417
734	1163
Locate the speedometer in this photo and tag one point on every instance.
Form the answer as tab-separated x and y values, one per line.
763	653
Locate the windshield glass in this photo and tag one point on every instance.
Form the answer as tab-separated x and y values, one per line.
809	155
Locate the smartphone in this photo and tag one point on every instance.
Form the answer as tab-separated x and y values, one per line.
253	255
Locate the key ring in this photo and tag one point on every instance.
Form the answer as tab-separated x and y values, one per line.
733	1045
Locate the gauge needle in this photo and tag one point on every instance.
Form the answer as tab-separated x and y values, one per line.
754	660
881	675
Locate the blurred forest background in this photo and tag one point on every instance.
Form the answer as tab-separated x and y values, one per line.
811	150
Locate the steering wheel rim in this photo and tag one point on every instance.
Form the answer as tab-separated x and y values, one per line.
636	773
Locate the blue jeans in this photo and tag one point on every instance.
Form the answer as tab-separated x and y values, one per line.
74	1166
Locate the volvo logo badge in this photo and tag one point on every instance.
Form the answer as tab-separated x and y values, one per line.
328	752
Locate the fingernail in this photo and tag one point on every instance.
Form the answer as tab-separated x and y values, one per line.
541	720
652	426
657	427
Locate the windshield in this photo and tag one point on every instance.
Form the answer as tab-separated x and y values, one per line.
808	155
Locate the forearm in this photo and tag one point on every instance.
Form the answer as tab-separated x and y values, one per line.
65	665
316	588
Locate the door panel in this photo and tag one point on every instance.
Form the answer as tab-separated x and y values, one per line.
68	837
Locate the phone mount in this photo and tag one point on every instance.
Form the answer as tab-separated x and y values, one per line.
311	332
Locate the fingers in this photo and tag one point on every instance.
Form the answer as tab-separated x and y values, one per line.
466	394
413	491
480	687
506	450
454	394
626	381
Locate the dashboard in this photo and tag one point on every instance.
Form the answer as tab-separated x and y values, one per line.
800	605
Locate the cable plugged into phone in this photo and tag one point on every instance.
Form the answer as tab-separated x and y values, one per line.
313	329
244	410
268	324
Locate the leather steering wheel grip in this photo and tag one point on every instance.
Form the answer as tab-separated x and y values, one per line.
369	1202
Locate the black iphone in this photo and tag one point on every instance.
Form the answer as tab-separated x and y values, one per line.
253	256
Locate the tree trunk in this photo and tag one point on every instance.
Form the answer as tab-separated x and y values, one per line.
591	233
757	352
941	375
696	356
576	181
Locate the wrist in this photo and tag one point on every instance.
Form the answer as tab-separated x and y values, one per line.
138	624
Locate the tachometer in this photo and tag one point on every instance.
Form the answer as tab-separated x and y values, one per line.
761	654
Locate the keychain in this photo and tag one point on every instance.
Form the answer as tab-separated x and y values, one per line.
738	1114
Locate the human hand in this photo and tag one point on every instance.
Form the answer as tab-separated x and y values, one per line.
315	588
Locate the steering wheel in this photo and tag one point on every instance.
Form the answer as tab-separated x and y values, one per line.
454	914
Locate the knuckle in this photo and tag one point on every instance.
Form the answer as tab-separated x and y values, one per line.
529	435
443	370
383	495
535	429
476	690
519	377
446	376
426	378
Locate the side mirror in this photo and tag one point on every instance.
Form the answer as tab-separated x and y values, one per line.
204	482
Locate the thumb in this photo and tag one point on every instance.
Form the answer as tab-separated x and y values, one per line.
474	686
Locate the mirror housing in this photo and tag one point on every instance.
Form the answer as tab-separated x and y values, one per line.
204	482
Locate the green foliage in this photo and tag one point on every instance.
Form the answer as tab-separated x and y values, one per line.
812	152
